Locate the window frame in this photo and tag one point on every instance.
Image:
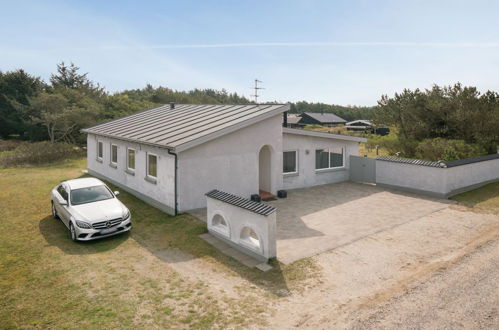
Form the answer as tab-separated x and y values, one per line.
147	166
115	164
128	159
100	150
296	162
329	168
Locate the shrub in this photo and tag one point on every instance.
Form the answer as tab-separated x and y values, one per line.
40	153
447	150
8	145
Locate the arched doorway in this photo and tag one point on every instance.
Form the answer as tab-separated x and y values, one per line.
264	171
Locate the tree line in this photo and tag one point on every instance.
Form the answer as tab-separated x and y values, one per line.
459	121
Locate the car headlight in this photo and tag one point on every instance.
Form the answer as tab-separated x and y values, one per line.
83	224
126	214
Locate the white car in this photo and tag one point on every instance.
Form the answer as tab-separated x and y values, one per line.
89	209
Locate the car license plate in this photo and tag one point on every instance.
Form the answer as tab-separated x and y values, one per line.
107	231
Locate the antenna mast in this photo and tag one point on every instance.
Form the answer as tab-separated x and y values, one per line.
256	88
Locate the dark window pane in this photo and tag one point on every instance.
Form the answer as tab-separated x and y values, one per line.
90	194
152	166
289	161
336	157
131	159
99	149
321	159
114	153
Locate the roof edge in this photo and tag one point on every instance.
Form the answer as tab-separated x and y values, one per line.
322	134
230	129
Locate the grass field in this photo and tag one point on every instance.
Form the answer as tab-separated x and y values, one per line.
47	281
484	199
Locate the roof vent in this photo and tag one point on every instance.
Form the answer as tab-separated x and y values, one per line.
172	105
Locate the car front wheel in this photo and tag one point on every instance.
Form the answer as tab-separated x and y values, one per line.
54	211
72	232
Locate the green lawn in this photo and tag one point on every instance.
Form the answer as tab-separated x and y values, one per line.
484	199
47	281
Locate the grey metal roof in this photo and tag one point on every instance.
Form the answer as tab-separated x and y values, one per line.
293	119
186	125
441	164
244	203
325	117
412	161
471	160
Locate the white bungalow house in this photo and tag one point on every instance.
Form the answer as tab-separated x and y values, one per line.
172	155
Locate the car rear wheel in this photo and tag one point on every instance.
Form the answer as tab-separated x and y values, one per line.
72	232
54	212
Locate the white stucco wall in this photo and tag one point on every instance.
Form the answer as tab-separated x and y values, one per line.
307	174
160	194
237	219
425	179
230	163
459	178
434	181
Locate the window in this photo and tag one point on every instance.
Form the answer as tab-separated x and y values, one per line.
130	163
114	154
90	195
329	158
152	165
99	150
63	193
290	162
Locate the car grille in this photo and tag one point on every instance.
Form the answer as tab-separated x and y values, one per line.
104	224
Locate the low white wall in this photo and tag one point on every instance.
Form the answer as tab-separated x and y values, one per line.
307	174
160	194
416	178
469	176
436	181
237	219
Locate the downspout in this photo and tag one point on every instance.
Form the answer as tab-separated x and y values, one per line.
175	184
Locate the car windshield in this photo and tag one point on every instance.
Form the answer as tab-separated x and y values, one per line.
90	195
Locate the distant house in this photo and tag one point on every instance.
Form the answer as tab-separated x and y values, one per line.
359	125
172	155
293	120
321	118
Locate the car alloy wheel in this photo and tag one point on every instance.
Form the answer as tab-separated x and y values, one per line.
54	211
72	232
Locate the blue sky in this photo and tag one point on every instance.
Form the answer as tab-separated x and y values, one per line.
342	52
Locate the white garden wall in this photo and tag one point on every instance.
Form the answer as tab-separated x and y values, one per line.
233	225
437	181
160	194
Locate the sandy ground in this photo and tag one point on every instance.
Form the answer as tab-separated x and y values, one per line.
360	277
437	268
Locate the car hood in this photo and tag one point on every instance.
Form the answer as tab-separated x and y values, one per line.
99	211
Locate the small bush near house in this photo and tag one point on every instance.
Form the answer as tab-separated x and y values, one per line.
40	153
447	150
8	145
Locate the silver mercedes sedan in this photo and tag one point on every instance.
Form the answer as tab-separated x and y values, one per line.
89	209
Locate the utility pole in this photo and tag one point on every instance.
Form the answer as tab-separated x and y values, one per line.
256	88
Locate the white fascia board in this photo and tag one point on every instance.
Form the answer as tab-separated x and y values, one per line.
323	135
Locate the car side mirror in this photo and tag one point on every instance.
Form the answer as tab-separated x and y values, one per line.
116	193
63	202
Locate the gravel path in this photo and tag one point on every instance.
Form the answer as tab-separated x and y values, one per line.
464	296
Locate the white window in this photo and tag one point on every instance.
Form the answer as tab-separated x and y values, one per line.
99	150
152	165
114	154
130	159
290	162
329	158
